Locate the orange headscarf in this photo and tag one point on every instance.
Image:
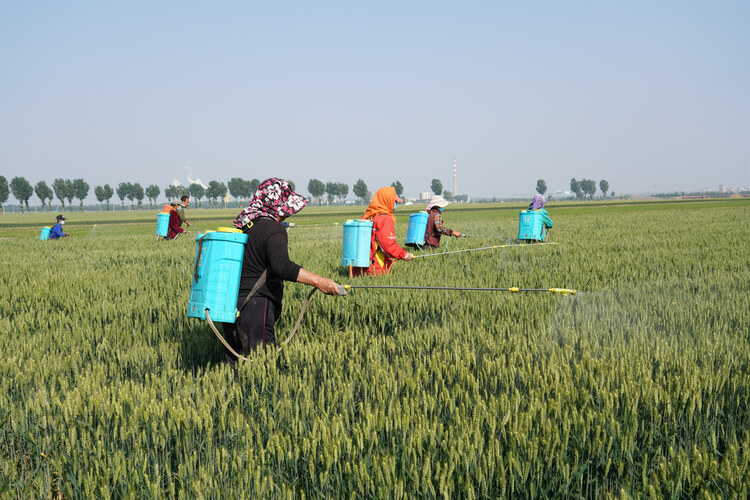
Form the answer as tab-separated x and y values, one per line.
382	203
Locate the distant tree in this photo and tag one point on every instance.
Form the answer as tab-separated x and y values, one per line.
4	192
292	186
223	194
541	186
70	193
108	193
588	186
437	186
138	194
44	193
152	192
22	191
332	190
461	198
123	190
170	192
253	187
181	191
447	195
196	191
236	186
316	188
575	187
398	187
604	186
130	193
343	190
59	186
215	190
101	195
360	190
80	191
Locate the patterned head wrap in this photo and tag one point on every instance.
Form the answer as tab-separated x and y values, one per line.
273	198
537	202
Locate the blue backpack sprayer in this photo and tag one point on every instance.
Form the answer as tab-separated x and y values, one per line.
216	281
530	226
356	244
162	224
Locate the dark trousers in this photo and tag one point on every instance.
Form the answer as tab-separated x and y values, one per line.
254	327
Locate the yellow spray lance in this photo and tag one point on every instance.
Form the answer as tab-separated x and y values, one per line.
343	290
483	248
562	291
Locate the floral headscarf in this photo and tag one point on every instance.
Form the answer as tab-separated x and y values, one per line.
274	198
537	202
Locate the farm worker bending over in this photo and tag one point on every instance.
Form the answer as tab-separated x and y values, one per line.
435	227
537	204
174	222
56	231
383	247
266	251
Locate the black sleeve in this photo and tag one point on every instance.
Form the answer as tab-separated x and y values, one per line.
278	255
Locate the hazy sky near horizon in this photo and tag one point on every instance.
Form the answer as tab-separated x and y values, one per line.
650	95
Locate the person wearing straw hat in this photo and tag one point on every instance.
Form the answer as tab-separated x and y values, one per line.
265	267
384	250
174	229
56	231
435	227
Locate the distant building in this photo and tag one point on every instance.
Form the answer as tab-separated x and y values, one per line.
425	195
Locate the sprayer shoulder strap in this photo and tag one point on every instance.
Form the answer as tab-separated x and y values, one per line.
261	281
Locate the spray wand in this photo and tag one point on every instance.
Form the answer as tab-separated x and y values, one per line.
562	291
481	248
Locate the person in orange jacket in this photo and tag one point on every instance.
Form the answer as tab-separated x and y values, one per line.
383	247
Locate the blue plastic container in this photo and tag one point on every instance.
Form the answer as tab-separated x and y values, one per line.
216	275
44	236
417	228
162	224
356	248
530	225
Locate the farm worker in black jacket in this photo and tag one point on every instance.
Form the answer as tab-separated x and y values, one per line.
267	250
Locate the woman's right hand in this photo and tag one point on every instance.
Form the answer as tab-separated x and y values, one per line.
409	256
327	286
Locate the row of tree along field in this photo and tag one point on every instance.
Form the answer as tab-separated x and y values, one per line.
67	190
582	188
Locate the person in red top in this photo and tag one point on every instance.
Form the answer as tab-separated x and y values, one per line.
383	247
174	222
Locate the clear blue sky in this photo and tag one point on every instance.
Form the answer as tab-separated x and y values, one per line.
653	96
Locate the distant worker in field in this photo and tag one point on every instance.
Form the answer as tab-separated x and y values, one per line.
174	229
537	205
383	247
266	264
56	231
184	202
435	227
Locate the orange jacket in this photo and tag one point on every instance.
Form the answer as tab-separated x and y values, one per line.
383	247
